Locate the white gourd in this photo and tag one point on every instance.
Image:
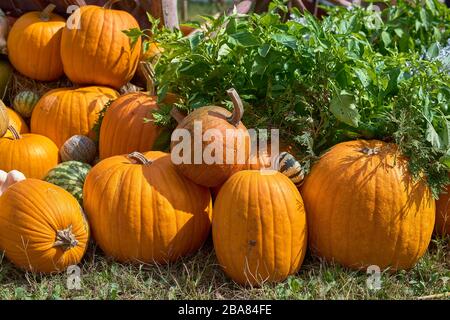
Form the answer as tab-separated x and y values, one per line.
8	179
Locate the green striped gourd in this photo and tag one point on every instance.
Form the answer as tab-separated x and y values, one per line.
24	103
70	176
78	148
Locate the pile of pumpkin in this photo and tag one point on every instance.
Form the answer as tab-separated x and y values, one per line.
359	206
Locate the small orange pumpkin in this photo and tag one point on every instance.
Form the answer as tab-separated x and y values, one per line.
42	227
32	154
141	210
364	208
65	112
34	45
226	129
98	52
259	227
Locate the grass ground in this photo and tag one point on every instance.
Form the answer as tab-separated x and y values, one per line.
200	277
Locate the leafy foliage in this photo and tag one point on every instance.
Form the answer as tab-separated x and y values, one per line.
358	73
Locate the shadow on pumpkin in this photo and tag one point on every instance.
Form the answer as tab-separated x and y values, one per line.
192	203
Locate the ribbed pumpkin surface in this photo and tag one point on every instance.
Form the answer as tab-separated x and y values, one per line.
34	46
364	208
123	128
259	227
99	52
33	155
147	213
33	211
63	113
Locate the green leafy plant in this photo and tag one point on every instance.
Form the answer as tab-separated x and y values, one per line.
357	73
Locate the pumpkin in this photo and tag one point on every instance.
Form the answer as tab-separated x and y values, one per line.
123	129
43	228
259	227
7	179
4	119
227	131
24	103
141	210
99	52
16	121
442	226
70	176
78	148
34	45
63	113
364	208
32	154
6	72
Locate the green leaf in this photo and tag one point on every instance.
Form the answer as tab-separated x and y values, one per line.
343	107
286	40
445	159
245	39
386	38
195	39
264	50
433	51
224	50
433	137
134	35
363	76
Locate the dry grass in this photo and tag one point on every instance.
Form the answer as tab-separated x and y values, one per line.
199	277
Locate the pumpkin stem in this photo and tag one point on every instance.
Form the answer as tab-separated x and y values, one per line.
16	135
45	14
238	110
177	115
65	239
110	3
149	74
370	151
139	158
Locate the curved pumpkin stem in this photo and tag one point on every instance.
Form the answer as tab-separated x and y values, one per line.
238	111
110	3
149	74
16	135
45	14
65	239
139	158
177	115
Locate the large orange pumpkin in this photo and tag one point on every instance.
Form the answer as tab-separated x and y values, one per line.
32	154
16	121
42	227
442	226
225	129
141	210
34	45
63	113
364	208
98	52
259	227
124	128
